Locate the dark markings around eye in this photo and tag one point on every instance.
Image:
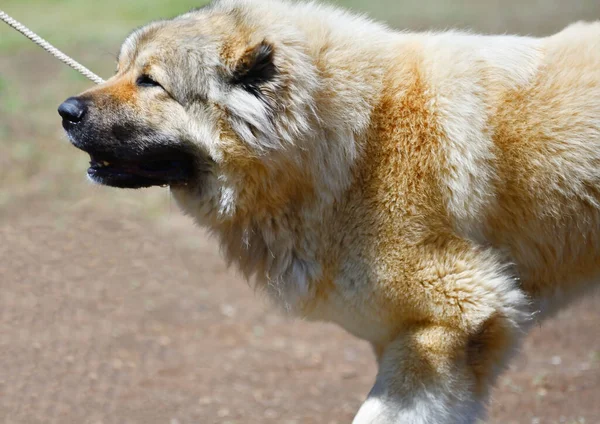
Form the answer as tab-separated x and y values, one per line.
146	81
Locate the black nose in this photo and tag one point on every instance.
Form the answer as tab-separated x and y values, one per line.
72	110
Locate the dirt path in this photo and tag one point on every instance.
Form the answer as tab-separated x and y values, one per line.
105	319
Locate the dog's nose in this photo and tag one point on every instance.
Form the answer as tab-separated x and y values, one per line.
72	110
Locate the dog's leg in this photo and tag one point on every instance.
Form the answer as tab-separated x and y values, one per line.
424	378
440	371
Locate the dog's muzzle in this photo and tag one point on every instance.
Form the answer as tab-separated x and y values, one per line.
126	154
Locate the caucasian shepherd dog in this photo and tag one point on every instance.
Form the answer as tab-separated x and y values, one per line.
431	193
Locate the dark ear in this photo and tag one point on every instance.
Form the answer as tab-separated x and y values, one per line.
255	68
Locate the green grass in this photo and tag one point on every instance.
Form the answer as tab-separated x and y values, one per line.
67	22
10	102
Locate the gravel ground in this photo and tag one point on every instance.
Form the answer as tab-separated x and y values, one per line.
113	319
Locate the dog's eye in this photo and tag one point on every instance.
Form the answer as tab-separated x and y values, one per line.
146	81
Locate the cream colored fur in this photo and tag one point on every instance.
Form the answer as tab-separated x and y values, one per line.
430	193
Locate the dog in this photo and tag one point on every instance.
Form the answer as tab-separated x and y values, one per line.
431	193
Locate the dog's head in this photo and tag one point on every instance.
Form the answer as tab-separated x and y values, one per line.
218	103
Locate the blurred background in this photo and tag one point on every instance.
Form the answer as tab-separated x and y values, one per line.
114	308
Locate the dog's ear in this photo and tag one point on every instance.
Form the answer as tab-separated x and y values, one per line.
255	67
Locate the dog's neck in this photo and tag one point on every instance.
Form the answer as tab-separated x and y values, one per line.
272	234
274	238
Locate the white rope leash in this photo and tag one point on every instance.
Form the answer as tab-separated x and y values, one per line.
50	48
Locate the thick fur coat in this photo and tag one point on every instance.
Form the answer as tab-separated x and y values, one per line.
432	193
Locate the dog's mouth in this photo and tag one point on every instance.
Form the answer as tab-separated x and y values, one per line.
156	169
